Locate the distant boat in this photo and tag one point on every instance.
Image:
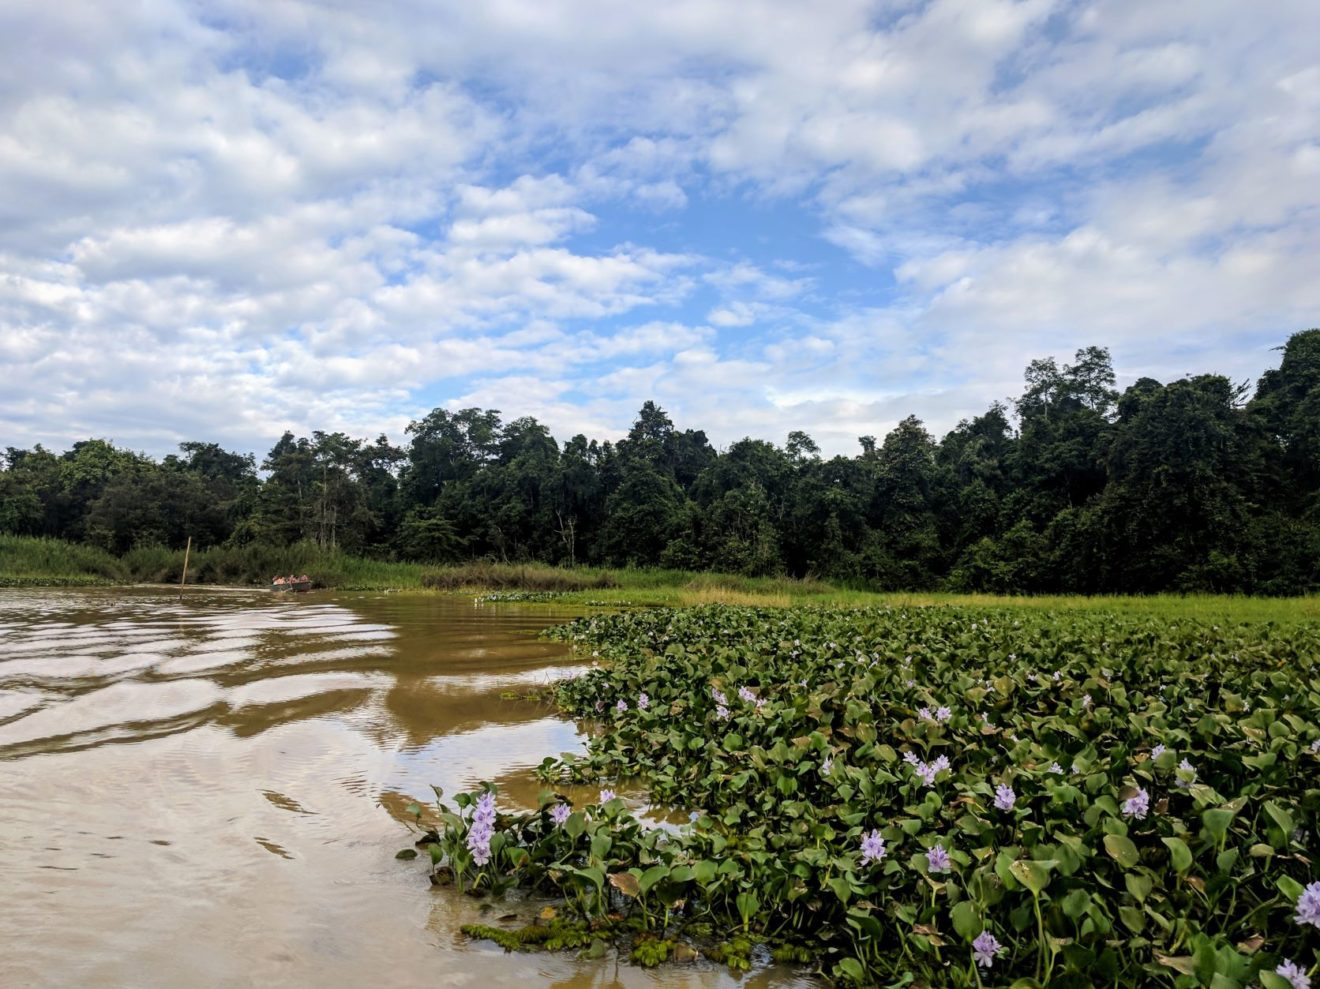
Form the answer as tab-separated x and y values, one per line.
301	585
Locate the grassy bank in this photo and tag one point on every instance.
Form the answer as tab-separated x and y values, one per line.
27	561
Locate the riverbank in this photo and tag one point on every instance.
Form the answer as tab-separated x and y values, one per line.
32	562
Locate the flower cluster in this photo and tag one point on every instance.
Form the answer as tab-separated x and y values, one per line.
1308	905
482	829
643	701
559	814
873	848
927	771
1294	973
1138	805
1005	798
984	949
937	859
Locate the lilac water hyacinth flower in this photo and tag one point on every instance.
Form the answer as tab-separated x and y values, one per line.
1157	751
1185	781
643	701
718	697
607	795
1056	769
984	949
559	814
482	829
873	848
827	765
1086	702
925	715
722	713
621	706
1005	798
943	714
937	859
910	758
746	695
1308	906
1294	973
1138	805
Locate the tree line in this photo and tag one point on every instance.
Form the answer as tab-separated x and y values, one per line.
1199	484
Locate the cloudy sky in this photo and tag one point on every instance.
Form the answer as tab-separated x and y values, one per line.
222	219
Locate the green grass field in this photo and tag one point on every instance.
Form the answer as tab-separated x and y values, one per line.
32	562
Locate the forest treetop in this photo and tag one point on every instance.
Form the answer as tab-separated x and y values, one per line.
1197	484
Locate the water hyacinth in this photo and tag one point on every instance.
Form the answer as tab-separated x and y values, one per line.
1308	906
560	813
1086	701
925	715
873	848
482	829
1157	751
943	714
1005	798
621	706
643	701
607	795
1056	769
746	695
718	697
1186	774
1138	805
984	949
1294	973
827	765
722	713
937	859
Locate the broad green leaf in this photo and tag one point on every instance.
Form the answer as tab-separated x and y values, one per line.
1122	850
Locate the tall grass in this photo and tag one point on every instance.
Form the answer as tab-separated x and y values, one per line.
25	561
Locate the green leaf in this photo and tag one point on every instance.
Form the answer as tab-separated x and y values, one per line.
1280	816
852	970
1031	874
1217	821
575	825
407	854
1179	854
1122	850
966	919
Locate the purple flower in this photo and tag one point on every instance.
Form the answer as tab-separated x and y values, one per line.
1186	774
722	713
984	949
943	714
1158	751
746	695
827	765
559	814
606	796
1294	973
1086	702
910	758
482	828
621	706
940	764
760	703
643	701
925	714
909	682
1004	797
1315	746
1137	805
873	848
1308	905
927	773
937	859
1056	769
719	697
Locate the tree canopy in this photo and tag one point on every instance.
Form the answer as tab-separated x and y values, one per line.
1194	484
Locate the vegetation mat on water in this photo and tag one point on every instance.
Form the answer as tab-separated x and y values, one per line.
951	796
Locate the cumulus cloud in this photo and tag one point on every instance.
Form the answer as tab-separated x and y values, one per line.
222	221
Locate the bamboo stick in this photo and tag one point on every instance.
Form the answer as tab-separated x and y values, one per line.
187	550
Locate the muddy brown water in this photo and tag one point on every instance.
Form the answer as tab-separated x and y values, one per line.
208	788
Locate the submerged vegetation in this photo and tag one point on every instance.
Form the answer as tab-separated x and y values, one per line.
958	797
1199	485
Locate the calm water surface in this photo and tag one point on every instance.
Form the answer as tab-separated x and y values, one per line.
206	789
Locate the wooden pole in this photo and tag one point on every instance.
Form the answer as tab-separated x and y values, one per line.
188	549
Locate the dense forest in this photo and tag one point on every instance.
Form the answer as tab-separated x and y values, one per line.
1198	484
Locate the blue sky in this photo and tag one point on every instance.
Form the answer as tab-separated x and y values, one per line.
226	219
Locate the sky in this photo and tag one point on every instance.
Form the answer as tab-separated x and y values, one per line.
225	219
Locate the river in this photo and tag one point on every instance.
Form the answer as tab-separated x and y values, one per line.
206	788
